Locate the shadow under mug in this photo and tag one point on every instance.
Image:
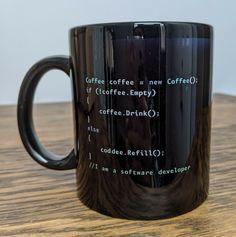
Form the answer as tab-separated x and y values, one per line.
142	116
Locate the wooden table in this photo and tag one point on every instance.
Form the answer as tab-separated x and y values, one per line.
35	201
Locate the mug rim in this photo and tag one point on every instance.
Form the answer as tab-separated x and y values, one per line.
120	23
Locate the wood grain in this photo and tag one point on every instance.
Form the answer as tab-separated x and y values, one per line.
35	201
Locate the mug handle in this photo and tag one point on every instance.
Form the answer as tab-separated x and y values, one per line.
25	118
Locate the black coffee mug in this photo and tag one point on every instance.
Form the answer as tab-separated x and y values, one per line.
142	116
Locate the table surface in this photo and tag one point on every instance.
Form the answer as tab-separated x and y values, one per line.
35	201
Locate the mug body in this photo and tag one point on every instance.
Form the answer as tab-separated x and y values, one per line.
142	112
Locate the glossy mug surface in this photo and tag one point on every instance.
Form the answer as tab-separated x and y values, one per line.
142	116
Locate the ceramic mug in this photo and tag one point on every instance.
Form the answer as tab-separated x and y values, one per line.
142	116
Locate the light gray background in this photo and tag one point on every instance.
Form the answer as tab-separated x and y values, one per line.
31	30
